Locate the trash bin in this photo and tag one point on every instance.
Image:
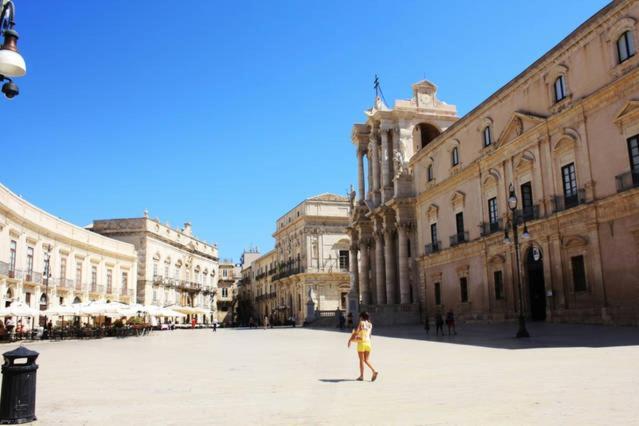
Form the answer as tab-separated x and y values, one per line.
17	402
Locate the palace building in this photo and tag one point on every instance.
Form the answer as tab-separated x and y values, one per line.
174	267
432	228
306	275
46	261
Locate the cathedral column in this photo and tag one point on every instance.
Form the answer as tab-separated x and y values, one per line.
387	165
364	287
380	276
354	267
360	175
404	285
389	258
374	159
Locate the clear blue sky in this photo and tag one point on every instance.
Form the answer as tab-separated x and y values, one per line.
227	114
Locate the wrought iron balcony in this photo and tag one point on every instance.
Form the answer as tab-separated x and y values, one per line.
458	238
565	202
65	284
528	213
628	180
487	228
4	268
433	247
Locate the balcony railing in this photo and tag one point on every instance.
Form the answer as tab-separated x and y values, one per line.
487	228
65	284
33	277
97	288
158	279
458	238
528	213
126	292
628	180
565	202
433	247
80	286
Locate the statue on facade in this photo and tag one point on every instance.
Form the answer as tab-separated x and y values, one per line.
351	197
399	163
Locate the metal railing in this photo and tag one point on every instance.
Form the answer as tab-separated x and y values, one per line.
458	238
628	180
95	288
565	202
487	228
433	247
65	284
528	213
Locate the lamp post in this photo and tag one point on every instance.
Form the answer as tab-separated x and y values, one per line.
512	205
11	62
47	276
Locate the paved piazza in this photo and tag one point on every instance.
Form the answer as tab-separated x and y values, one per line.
304	376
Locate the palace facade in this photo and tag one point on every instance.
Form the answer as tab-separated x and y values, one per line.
433	226
229	275
46	262
174	267
307	271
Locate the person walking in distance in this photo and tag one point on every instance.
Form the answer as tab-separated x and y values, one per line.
265	322
214	326
362	335
450	322
439	324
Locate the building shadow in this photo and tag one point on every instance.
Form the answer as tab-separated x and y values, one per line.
502	335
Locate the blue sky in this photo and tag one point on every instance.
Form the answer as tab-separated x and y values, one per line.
228	114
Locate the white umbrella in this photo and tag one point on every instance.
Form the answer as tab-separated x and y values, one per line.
19	309
62	310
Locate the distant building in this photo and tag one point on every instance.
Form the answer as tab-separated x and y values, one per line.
229	276
174	267
307	271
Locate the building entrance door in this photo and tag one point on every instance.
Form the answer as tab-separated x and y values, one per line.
536	286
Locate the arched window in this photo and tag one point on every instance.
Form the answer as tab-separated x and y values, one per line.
455	156
427	132
560	88
429	173
488	137
625	46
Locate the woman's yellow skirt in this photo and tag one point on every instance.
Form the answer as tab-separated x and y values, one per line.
363	347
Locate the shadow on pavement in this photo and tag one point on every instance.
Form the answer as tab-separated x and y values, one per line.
502	335
337	380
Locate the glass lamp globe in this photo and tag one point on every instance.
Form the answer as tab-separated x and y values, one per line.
11	62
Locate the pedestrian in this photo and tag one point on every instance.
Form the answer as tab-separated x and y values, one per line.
193	321
450	322
342	321
362	335
439	324
265	322
10	327
214	326
427	326
50	329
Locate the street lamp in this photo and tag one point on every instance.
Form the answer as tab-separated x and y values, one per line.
512	205
11	62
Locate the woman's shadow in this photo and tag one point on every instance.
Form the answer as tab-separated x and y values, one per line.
336	380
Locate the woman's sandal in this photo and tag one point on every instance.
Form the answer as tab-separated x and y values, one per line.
374	376
360	379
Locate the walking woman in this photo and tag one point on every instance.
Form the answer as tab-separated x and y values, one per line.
362	335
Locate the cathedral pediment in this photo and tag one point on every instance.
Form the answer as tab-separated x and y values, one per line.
518	124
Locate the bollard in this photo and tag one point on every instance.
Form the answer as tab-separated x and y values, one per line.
17	402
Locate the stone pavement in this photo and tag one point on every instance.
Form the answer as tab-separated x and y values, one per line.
562	375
